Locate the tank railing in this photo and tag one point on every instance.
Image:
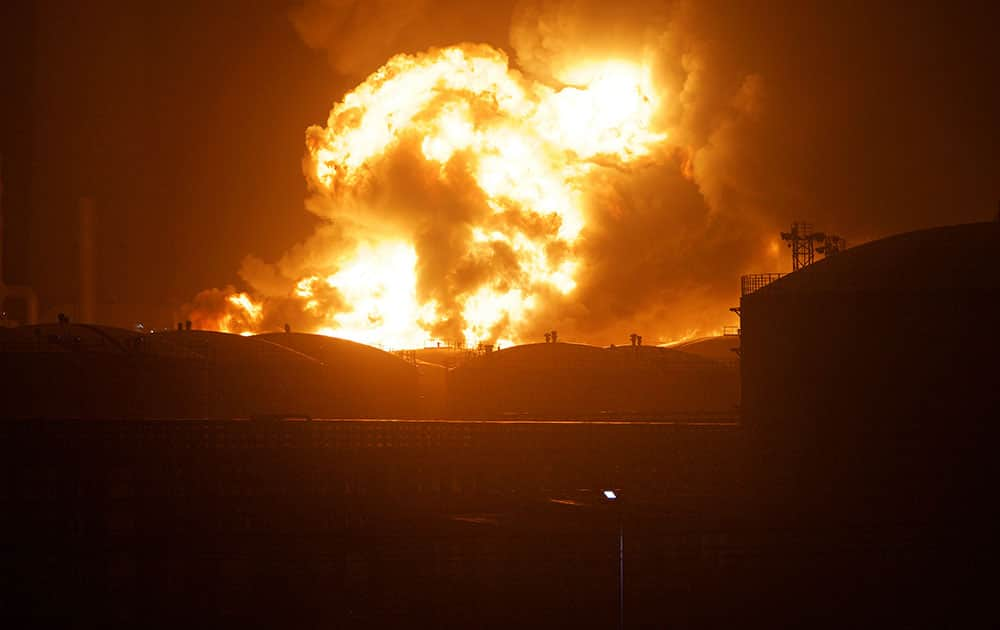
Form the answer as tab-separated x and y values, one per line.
754	282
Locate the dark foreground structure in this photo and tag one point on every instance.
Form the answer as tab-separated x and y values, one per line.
870	379
870	402
370	524
856	489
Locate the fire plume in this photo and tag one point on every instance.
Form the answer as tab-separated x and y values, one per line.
456	185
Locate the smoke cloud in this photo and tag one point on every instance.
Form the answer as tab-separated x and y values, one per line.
665	237
360	35
667	240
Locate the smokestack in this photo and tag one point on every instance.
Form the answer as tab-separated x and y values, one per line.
88	281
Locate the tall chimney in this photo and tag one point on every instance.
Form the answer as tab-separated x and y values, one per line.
88	280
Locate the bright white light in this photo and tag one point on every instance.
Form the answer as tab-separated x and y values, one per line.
610	495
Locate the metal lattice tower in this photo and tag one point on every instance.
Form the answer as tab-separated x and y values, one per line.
802	241
832	245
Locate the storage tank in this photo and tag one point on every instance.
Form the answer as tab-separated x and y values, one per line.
894	335
567	380
359	381
869	380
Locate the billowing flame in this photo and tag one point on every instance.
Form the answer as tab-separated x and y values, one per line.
523	149
242	314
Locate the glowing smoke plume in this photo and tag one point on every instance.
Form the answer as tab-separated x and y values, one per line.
617	175
457	191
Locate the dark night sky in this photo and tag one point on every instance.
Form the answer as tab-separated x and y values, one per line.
186	121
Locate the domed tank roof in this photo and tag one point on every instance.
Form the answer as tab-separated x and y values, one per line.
660	355
229	348
334	351
52	337
540	355
715	348
357	380
951	257
91	371
570	380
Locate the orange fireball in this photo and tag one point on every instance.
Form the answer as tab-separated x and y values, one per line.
469	119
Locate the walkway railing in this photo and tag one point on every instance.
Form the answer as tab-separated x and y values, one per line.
754	282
